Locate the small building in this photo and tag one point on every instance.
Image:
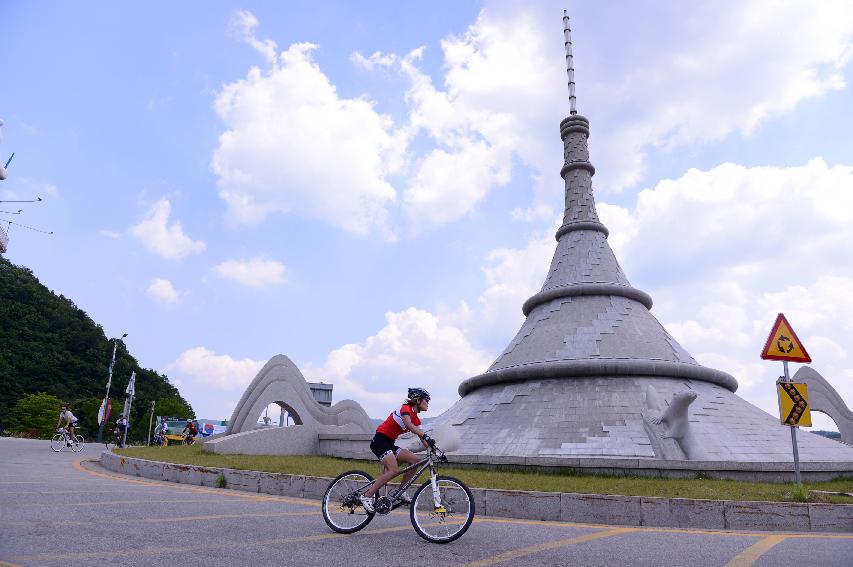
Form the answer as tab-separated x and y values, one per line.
322	393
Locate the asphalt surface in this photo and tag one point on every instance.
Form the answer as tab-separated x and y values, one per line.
64	509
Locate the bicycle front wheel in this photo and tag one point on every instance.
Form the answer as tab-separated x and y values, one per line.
342	509
58	442
451	518
77	443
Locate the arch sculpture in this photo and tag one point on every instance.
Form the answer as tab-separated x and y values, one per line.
824	398
281	382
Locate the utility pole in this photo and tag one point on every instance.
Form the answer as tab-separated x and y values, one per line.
151	422
102	414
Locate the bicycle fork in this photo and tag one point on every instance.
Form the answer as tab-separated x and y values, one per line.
436	496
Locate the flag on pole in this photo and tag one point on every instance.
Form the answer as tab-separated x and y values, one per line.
131	386
109	410
102	410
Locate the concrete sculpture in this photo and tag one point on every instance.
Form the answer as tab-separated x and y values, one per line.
592	374
281	382
824	398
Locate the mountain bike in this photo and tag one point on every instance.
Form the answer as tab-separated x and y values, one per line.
442	508
63	439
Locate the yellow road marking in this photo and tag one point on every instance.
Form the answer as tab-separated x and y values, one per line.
652	529
169	519
148	501
524	551
192	488
188	549
7	564
751	554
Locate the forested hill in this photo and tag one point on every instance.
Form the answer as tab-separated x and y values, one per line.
48	344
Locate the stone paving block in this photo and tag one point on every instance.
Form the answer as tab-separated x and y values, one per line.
241	480
688	512
176	473
831	517
600	509
149	469
766	516
523	504
276	484
315	487
205	476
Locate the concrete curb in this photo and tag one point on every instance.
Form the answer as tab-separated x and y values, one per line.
530	505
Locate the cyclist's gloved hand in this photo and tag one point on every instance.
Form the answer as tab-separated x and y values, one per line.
429	441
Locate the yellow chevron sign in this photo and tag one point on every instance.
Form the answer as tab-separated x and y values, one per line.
794	406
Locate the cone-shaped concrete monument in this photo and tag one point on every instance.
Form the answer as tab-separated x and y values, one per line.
592	373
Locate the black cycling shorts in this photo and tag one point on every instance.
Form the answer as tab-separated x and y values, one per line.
382	445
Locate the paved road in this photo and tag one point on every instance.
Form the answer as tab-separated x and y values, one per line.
61	509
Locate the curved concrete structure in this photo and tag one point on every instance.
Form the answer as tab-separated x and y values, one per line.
824	398
280	381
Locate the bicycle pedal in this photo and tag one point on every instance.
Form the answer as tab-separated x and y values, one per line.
441	510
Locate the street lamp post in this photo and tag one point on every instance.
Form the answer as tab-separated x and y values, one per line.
109	383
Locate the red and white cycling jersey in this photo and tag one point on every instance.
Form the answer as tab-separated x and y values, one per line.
394	426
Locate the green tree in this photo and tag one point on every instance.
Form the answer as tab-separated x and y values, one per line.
35	415
174	407
48	344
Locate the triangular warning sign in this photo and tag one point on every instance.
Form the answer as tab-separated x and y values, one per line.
783	343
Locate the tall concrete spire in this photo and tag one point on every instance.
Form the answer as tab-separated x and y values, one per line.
592	373
588	320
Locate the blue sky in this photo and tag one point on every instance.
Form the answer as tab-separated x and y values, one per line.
373	190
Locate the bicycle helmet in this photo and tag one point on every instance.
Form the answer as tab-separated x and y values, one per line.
418	393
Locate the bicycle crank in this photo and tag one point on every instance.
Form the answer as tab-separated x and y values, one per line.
383	505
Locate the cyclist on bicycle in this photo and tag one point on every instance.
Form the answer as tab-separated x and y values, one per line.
389	454
189	432
161	432
65	416
118	432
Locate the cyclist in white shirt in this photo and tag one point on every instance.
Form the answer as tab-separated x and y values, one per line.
65	416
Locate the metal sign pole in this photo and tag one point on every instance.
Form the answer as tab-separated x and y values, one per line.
793	433
150	423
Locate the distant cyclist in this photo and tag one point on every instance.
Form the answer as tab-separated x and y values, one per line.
161	432
67	418
189	432
121	427
389	454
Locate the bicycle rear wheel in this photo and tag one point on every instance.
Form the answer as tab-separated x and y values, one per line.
451	520
342	509
77	443
58	442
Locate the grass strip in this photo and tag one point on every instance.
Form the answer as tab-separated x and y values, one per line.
559	480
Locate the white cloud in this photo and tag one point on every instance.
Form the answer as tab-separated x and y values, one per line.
162	291
723	251
378	59
111	234
243	26
415	347
256	272
293	144
220	371
161	238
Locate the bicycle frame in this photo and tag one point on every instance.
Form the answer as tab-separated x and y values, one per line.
426	463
